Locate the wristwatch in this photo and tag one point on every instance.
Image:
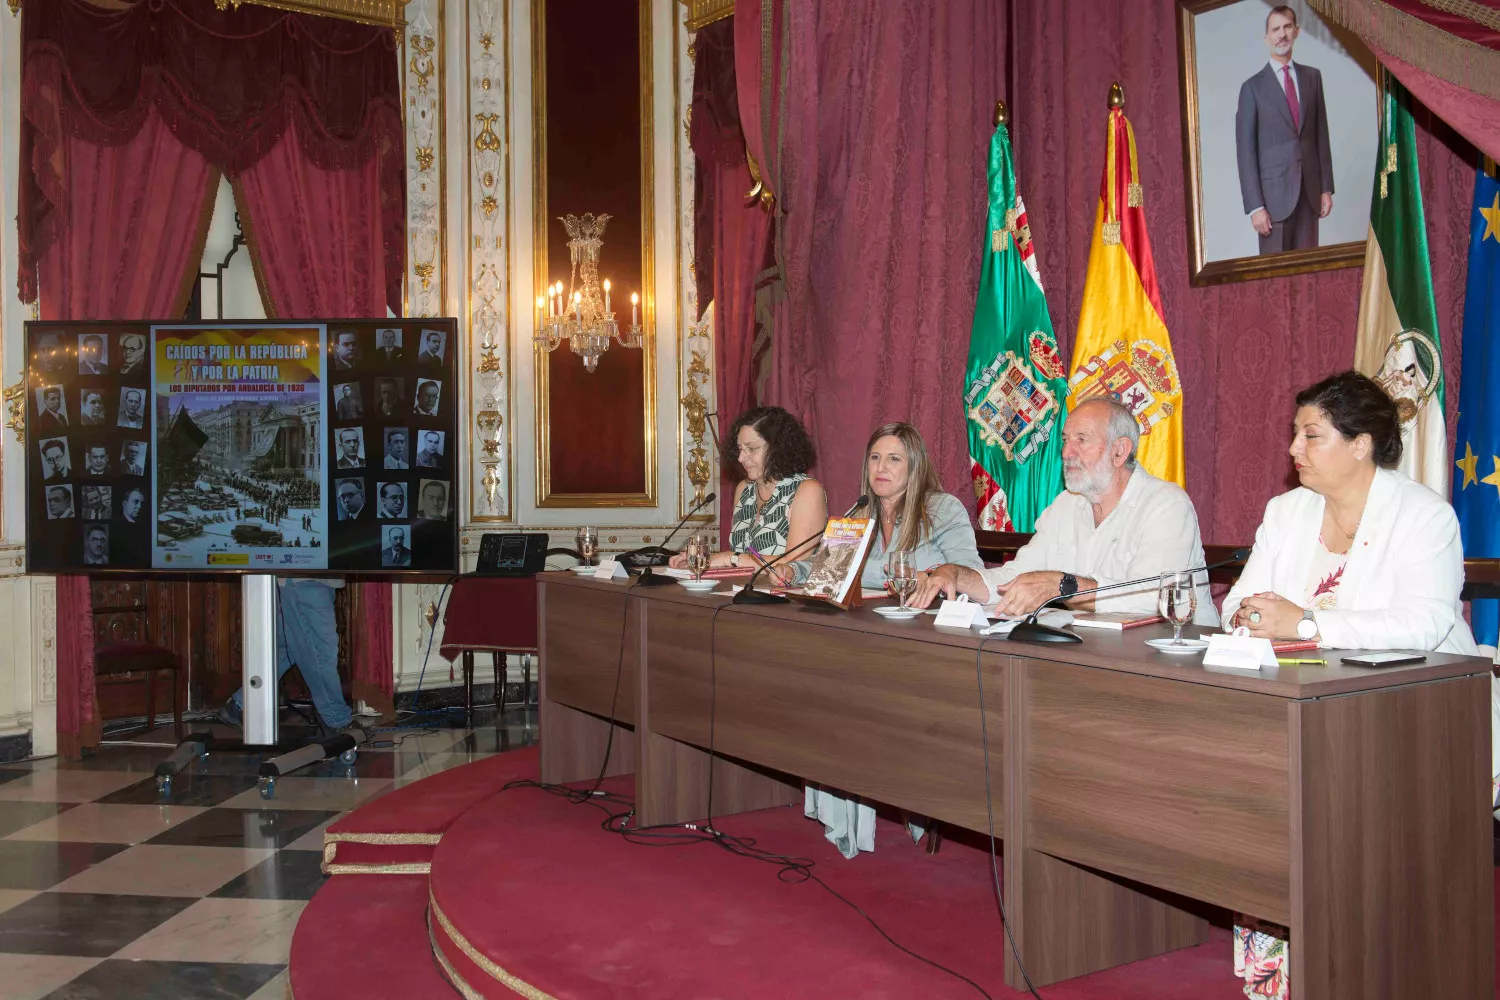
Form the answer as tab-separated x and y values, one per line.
1307	628
1069	585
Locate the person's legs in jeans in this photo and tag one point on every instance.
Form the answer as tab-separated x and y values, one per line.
307	634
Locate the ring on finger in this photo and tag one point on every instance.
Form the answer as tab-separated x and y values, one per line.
1255	618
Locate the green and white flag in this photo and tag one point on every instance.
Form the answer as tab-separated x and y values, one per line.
1397	339
1016	383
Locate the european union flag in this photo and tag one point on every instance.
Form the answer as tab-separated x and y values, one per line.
1476	496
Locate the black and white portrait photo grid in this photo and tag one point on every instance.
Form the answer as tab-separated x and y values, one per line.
333	455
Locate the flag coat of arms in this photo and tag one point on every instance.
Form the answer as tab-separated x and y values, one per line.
1396	342
1476	444
1123	350
1015	383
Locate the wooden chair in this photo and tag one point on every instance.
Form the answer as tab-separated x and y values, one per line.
127	660
495	615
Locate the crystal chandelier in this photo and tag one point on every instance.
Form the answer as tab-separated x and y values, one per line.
583	316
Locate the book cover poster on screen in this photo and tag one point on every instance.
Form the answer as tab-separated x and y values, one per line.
290	446
238	480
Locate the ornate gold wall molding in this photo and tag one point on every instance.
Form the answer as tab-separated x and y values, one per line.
698	456
44	623
488	197
426	200
697	460
15	409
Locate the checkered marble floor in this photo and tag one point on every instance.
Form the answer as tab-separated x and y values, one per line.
107	891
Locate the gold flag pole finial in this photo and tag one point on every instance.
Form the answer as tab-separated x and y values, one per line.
1116	96
1002	114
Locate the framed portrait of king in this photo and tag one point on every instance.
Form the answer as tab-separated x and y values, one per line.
1280	127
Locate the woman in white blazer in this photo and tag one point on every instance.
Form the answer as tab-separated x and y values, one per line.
1358	557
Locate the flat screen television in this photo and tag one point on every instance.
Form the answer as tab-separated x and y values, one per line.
297	447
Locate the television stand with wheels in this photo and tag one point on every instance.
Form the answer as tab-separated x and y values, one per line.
260	721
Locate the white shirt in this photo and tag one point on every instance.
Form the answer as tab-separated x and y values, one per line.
1152	530
1281	80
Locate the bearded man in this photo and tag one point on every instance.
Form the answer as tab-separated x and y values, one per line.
1115	522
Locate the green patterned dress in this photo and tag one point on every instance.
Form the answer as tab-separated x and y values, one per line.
763	527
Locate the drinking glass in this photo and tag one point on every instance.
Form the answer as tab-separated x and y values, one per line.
699	547
1177	602
901	569
588	544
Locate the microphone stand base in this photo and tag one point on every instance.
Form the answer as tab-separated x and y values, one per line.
1037	632
748	596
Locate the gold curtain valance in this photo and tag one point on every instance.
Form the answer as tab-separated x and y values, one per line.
701	12
392	12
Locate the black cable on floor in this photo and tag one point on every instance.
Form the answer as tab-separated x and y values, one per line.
422	674
580	795
791	868
619	809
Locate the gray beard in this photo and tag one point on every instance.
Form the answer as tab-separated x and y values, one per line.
1091	484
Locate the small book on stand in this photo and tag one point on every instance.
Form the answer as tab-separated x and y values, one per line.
1117	621
838	564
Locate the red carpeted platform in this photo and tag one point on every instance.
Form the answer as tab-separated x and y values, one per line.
397	833
528	896
366	937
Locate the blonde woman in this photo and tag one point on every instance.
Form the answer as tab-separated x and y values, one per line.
911	511
911	514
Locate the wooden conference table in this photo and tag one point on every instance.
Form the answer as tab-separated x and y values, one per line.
1350	805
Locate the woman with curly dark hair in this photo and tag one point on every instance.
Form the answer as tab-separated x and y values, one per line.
775	503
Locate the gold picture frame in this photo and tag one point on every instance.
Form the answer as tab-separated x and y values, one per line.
541	223
1210	229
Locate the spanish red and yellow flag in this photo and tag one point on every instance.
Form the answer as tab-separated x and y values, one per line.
1123	349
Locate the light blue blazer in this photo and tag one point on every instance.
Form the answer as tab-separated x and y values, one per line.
951	540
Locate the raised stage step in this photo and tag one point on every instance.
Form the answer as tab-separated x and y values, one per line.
366	937
396	833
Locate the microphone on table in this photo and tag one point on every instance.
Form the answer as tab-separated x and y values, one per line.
657	554
1030	630
749	595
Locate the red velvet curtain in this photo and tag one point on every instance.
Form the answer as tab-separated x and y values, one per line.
733	233
128	114
1447	55
227	83
1471	115
882	173
759	44
887	116
138	213
1244	349
317	245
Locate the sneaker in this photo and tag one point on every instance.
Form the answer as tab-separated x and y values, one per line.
229	714
355	728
